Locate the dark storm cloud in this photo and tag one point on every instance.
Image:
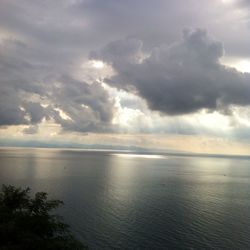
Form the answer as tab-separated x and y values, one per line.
34	112
178	79
26	82
87	106
17	76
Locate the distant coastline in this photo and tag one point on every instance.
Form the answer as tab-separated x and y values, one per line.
112	148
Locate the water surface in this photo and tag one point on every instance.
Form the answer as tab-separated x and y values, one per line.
134	201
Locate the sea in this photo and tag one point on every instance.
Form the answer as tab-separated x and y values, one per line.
129	200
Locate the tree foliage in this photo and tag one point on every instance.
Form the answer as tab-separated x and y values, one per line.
28	223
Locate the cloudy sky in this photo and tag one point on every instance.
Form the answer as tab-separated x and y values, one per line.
162	74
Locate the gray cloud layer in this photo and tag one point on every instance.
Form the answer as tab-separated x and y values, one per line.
43	44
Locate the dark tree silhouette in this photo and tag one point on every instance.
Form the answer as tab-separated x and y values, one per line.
28	223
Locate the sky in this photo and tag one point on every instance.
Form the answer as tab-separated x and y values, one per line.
162	74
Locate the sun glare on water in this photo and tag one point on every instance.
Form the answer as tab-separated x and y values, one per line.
146	156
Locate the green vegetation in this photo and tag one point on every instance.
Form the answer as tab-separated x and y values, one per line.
28	223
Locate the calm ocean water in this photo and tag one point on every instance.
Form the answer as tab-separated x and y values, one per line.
128	201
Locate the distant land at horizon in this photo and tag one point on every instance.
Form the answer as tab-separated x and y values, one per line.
106	147
86	146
